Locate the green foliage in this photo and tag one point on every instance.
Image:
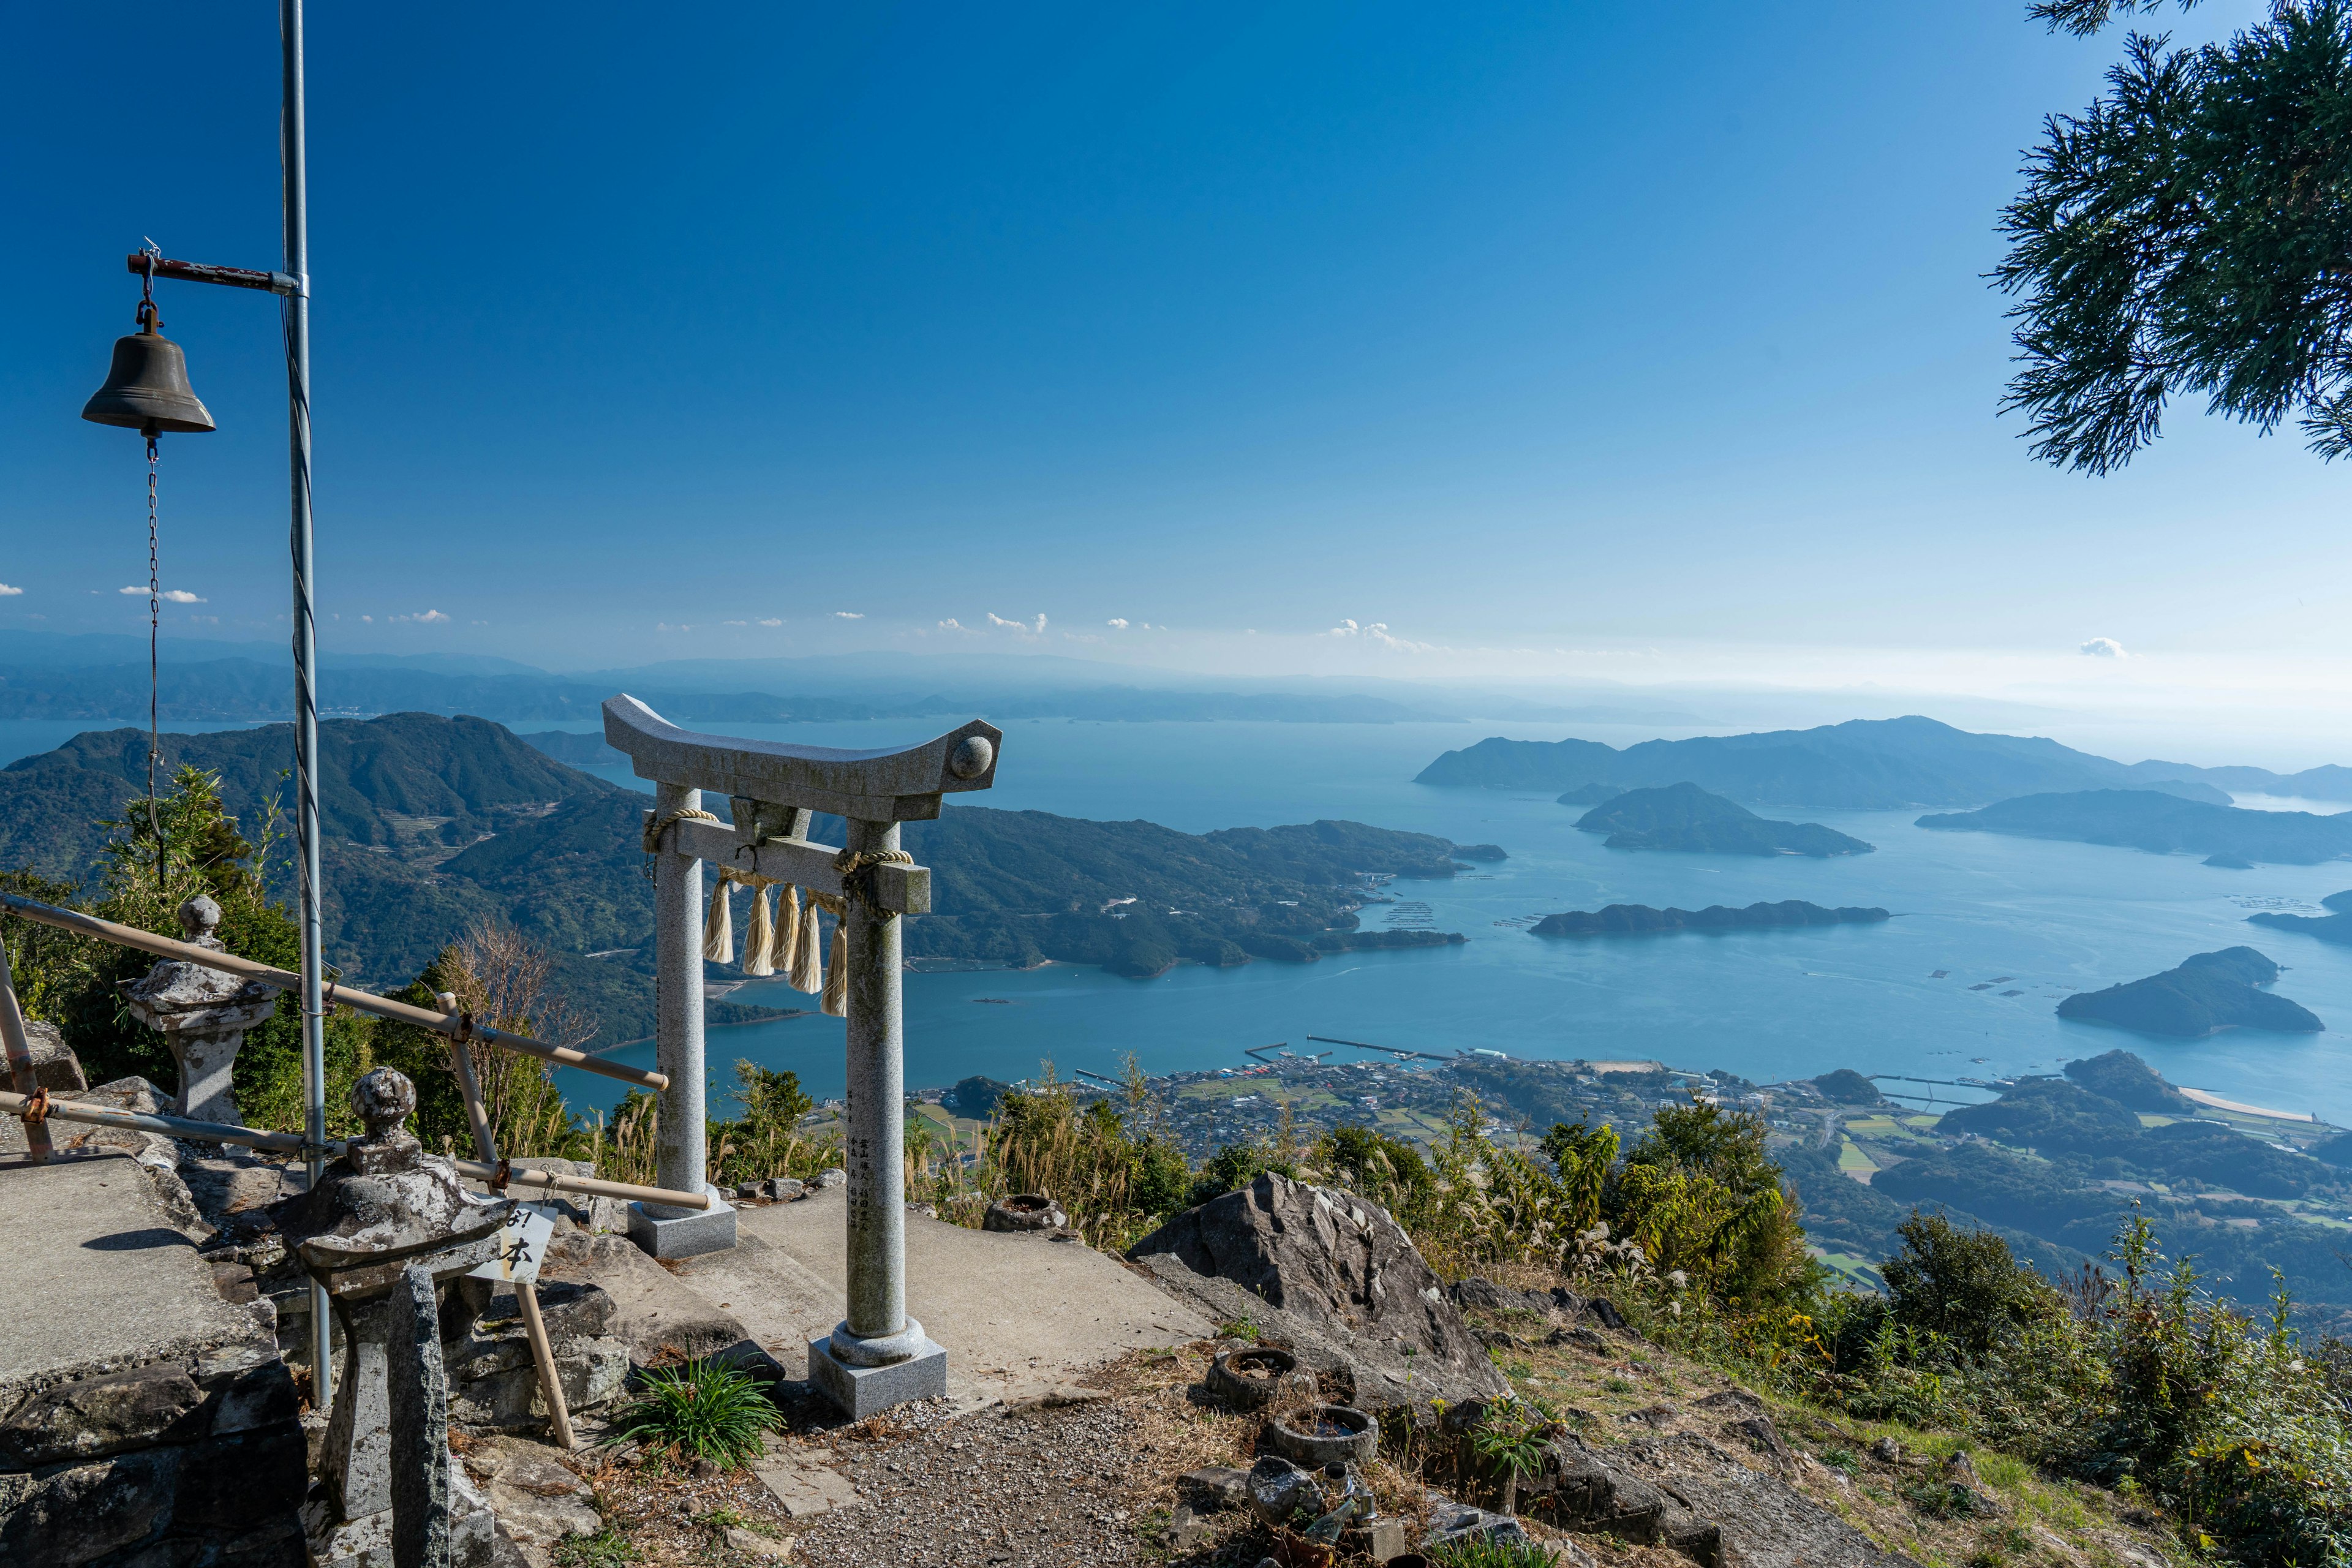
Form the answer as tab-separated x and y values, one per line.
1963	1286
1231	1169
2143	1381
1387	1169
1510	1440
767	1140
703	1409
2181	235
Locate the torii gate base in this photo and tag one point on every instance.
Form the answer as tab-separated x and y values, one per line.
877	1356
861	1391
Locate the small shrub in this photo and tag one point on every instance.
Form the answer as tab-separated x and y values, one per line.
1617	1385
703	1408
1842	1460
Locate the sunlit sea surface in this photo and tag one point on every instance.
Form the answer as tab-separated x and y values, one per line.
2013	924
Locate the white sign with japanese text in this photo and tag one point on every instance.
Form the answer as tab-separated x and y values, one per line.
521	1244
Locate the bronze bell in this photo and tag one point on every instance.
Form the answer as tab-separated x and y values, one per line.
147	387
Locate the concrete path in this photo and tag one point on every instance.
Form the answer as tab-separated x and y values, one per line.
1019	1315
94	1276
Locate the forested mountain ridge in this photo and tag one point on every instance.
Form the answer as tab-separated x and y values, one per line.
1864	764
431	823
2144	820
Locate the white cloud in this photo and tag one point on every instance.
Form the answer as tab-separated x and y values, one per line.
131	590
772	621
1116	623
850	615
1378	632
7	591
734	622
951	624
1038	630
2105	647
422	618
181	597
666	627
367	620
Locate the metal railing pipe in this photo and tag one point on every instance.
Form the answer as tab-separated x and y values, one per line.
291	1144
453	1023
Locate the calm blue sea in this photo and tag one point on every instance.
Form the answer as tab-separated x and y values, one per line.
2014	924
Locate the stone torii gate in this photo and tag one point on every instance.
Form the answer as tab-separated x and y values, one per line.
877	1356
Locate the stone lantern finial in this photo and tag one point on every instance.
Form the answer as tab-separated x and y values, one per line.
382	1100
200	917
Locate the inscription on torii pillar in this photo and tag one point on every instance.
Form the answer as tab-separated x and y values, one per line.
877	1356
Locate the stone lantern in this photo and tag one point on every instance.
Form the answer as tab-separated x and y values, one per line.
203	1014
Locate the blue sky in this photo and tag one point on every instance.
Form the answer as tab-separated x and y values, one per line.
1556	342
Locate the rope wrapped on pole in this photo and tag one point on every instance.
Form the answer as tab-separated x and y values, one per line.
291	1144
452	1022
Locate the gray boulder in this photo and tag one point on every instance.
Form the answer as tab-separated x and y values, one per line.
1331	1276
1683	1491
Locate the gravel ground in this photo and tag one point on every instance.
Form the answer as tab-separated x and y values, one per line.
1045	1487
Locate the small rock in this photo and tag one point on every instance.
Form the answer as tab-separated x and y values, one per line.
1454	1522
1476	1291
1582	1338
1186	1529
1653	1415
1498	1340
705	1468
1762	1437
1886	1451
1220	1485
783	1189
1278	1489
1737	1402
832	1176
1605	1311
754	1545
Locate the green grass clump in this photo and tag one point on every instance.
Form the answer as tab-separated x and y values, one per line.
608	1548
703	1409
1483	1552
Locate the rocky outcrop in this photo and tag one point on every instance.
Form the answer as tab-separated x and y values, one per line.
494	1382
1330	1275
1682	1492
55	1066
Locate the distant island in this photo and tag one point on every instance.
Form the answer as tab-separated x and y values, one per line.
2143	819
1639	920
1684	817
1867	764
2335	927
2208	992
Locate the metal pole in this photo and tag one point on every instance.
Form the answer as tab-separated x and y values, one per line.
678	1000
296	307
877	1110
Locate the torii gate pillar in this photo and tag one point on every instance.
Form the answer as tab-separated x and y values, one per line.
877	1356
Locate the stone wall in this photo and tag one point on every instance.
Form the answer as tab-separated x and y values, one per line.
183	1461
145	1421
